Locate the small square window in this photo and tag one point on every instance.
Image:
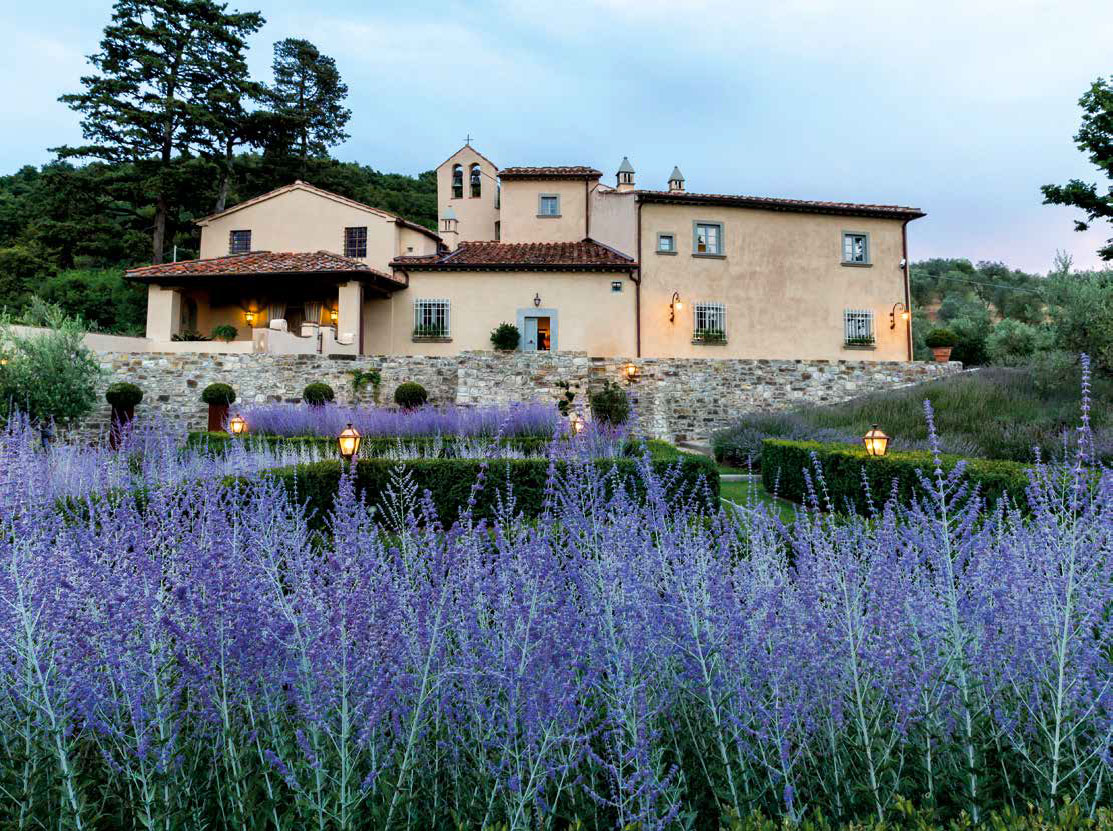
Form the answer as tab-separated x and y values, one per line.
431	318
355	243
548	204
239	242
858	327
707	238
616	285
856	248
666	243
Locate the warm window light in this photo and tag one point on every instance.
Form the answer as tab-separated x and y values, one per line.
674	306
876	442
349	442
237	426
631	372
249	317
333	315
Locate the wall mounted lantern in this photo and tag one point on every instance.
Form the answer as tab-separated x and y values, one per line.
577	423
537	299
631	372
674	306
349	442
236	425
249	317
333	315
876	442
893	314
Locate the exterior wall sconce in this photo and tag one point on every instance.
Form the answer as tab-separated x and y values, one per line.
675	306
249	317
349	442
903	312
876	442
237	426
631	372
537	299
577	423
333	315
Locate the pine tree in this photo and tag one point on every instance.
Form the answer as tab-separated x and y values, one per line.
308	101
162	66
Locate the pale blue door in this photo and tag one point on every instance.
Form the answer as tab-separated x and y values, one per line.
530	342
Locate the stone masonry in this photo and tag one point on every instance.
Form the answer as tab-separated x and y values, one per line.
674	399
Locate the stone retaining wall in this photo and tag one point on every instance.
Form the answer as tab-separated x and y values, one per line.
674	399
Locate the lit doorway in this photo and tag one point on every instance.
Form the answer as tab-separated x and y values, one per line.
539	330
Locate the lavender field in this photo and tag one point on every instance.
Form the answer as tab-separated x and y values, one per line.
209	662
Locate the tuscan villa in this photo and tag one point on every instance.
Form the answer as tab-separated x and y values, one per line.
573	262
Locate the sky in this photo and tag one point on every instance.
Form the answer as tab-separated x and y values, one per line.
962	108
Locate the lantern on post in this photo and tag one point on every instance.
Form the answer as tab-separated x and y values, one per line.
876	442
236	425
349	442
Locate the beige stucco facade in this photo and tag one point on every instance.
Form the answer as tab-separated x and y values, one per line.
521	217
475	215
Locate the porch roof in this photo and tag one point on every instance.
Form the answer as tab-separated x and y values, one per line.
586	255
266	264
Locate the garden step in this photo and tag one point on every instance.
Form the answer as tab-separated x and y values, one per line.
695	447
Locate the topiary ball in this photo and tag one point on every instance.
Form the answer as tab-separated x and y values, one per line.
122	395
218	394
410	395
318	393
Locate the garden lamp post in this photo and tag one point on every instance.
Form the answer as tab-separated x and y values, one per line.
876	442
349	442
236	425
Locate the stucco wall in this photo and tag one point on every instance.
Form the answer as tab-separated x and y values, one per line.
782	281
613	220
520	222
476	216
673	399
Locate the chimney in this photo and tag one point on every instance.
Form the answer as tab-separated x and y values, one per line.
450	232
676	180
625	176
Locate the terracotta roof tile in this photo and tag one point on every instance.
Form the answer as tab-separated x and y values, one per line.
769	203
566	172
587	255
257	262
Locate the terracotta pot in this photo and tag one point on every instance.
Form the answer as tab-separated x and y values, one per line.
942	353
121	416
217	414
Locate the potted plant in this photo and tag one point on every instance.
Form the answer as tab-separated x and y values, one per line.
123	397
225	332
318	394
941	342
218	396
506	337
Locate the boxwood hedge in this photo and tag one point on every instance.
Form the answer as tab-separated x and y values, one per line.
783	463
370	446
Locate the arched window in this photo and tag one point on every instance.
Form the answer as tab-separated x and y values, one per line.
476	185
457	181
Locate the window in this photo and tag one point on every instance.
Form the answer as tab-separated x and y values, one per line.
858	327
239	242
476	183
616	285
457	181
855	249
666	243
355	242
498	230
431	319
548	204
707	239
709	323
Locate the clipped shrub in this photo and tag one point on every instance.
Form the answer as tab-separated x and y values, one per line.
610	405
1011	341
318	393
218	394
971	333
938	338
783	466
122	395
225	332
411	395
506	337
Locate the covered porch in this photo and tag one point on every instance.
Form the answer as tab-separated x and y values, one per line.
261	302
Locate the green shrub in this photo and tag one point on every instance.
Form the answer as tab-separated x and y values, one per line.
225	332
1012	341
410	395
1081	308
938	338
318	393
610	404
971	334
506	337
99	296
122	395
218	393
783	464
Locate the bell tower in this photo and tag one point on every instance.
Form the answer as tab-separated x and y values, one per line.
467	197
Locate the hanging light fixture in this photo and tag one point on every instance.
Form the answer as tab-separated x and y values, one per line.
249	317
893	314
236	425
349	442
876	442
674	306
333	315
537	299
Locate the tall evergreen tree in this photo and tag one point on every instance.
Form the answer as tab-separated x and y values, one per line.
1095	138
150	102
308	101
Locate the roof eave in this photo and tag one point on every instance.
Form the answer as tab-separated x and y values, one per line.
690	199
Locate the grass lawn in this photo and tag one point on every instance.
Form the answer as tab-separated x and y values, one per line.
751	491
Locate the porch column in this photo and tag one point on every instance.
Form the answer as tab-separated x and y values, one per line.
164	312
349	317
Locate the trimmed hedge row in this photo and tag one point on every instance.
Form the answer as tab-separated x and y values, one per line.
450	481
783	463
370	446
